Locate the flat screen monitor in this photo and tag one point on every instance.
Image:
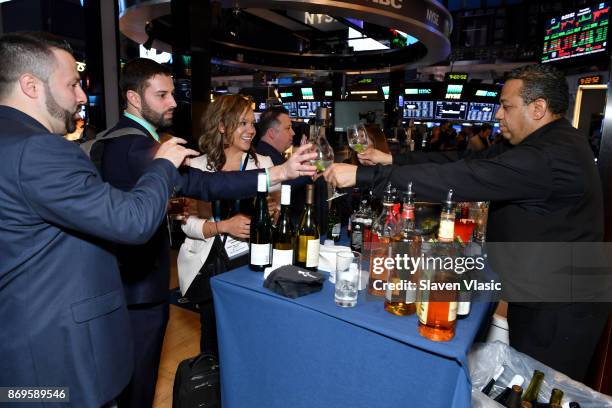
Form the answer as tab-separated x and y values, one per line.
481	112
307	109
347	113
576	33
451	110
418	109
291	108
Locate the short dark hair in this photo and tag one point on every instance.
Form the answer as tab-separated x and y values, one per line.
542	81
27	52
137	72
269	119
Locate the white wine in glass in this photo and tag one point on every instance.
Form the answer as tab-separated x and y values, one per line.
357	137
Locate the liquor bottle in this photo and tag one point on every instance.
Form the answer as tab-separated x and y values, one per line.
533	389
384	231
361	226
446	233
503	396
514	399
282	242
400	300
261	229
333	222
307	240
489	386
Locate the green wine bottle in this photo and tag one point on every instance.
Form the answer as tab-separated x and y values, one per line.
307	240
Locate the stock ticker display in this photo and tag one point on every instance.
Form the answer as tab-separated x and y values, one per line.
582	32
418	109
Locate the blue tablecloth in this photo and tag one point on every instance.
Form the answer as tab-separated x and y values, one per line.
308	352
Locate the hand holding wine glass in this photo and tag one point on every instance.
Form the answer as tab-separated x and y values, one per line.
357	137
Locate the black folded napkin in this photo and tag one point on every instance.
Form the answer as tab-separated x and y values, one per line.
293	282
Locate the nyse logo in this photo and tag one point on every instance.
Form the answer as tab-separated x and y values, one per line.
433	17
396	4
312	19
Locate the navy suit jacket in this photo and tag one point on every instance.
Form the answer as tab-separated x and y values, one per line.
145	269
62	309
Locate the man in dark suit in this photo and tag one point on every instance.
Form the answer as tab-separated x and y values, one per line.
147	88
62	308
545	191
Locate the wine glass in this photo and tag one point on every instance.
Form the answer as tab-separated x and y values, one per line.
357	137
325	155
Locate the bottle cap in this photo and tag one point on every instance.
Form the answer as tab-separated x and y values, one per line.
516	380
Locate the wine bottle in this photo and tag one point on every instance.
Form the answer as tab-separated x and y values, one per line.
261	229
503	396
282	238
514	399
489	386
333	222
556	396
307	240
533	389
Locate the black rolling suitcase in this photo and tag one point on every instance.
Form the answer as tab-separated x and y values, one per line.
196	384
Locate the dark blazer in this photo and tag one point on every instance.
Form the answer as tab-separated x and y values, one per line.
62	308
145	269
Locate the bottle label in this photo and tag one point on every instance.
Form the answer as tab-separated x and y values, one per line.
312	253
463	308
356	237
282	257
452	311
447	230
422	309
260	254
336	230
408	213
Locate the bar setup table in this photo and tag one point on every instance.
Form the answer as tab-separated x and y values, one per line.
308	352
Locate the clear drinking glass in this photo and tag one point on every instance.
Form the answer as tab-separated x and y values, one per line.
357	137
325	155
347	278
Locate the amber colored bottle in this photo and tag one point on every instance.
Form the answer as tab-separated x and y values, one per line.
400	300
385	230
514	399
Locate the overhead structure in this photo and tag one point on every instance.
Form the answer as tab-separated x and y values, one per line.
307	35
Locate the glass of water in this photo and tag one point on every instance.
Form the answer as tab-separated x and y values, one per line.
348	274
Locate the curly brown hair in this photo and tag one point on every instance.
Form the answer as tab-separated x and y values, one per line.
226	110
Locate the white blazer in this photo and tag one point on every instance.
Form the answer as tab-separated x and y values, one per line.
195	249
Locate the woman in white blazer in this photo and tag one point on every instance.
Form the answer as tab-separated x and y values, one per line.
226	144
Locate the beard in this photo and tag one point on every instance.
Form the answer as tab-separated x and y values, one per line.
55	110
155	118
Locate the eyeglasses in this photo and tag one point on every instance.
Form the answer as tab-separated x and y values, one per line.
244	123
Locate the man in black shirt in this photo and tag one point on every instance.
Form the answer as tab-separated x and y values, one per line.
544	187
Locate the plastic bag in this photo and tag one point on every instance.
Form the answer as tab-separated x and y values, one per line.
485	358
